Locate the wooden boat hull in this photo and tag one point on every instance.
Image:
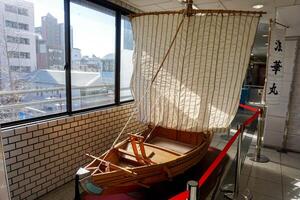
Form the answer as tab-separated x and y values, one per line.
116	181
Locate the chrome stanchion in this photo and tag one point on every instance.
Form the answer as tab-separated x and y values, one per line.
226	136
257	156
77	193
232	191
192	187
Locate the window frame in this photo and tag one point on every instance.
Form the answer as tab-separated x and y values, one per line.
69	112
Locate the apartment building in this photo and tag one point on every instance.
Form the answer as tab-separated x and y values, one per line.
17	42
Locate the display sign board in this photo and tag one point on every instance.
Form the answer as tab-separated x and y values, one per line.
275	66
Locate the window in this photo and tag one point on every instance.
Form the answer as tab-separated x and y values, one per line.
22	69
126	59
11	8
15	54
93	69
23	26
16	10
17	40
12	39
34	67
11	24
26	67
23	40
23	11
24	55
16	25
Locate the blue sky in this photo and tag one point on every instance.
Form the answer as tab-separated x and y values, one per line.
93	31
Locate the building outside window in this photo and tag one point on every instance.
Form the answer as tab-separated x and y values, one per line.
19	67
11	8
15	54
16	10
23	26
22	69
16	25
93	75
11	24
126	59
32	39
23	11
23	40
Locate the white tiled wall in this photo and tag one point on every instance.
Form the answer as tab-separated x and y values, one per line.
43	156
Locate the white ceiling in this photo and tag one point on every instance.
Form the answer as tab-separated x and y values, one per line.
270	6
283	16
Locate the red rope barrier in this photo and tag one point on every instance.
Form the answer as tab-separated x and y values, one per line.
249	108
251	119
181	196
184	195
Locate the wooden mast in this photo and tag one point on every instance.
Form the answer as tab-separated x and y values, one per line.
189	8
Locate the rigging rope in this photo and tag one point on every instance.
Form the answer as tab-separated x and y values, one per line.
137	103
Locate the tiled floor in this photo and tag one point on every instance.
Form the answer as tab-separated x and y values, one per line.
278	179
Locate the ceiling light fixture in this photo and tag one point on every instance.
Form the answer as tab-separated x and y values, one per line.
265	35
258	6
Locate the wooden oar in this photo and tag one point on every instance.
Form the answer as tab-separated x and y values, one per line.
113	165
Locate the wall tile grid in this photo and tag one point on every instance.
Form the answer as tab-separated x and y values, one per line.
44	156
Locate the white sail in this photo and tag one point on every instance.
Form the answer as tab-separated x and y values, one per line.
199	84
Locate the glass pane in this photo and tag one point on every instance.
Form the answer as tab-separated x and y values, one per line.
32	76
93	55
126	58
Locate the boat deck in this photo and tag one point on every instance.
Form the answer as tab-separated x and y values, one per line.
173	145
156	154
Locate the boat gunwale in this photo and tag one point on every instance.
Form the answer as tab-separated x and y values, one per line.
178	159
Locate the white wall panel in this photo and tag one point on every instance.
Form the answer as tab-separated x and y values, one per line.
293	139
277	114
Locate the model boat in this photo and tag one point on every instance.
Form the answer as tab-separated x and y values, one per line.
189	67
139	162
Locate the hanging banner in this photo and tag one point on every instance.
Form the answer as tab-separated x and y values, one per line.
275	65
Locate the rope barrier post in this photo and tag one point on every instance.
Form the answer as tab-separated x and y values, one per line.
258	157
192	188
227	135
77	193
232	191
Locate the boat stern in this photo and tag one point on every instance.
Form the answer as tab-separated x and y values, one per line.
83	179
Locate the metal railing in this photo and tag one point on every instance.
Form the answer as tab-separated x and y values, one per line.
44	101
28	91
